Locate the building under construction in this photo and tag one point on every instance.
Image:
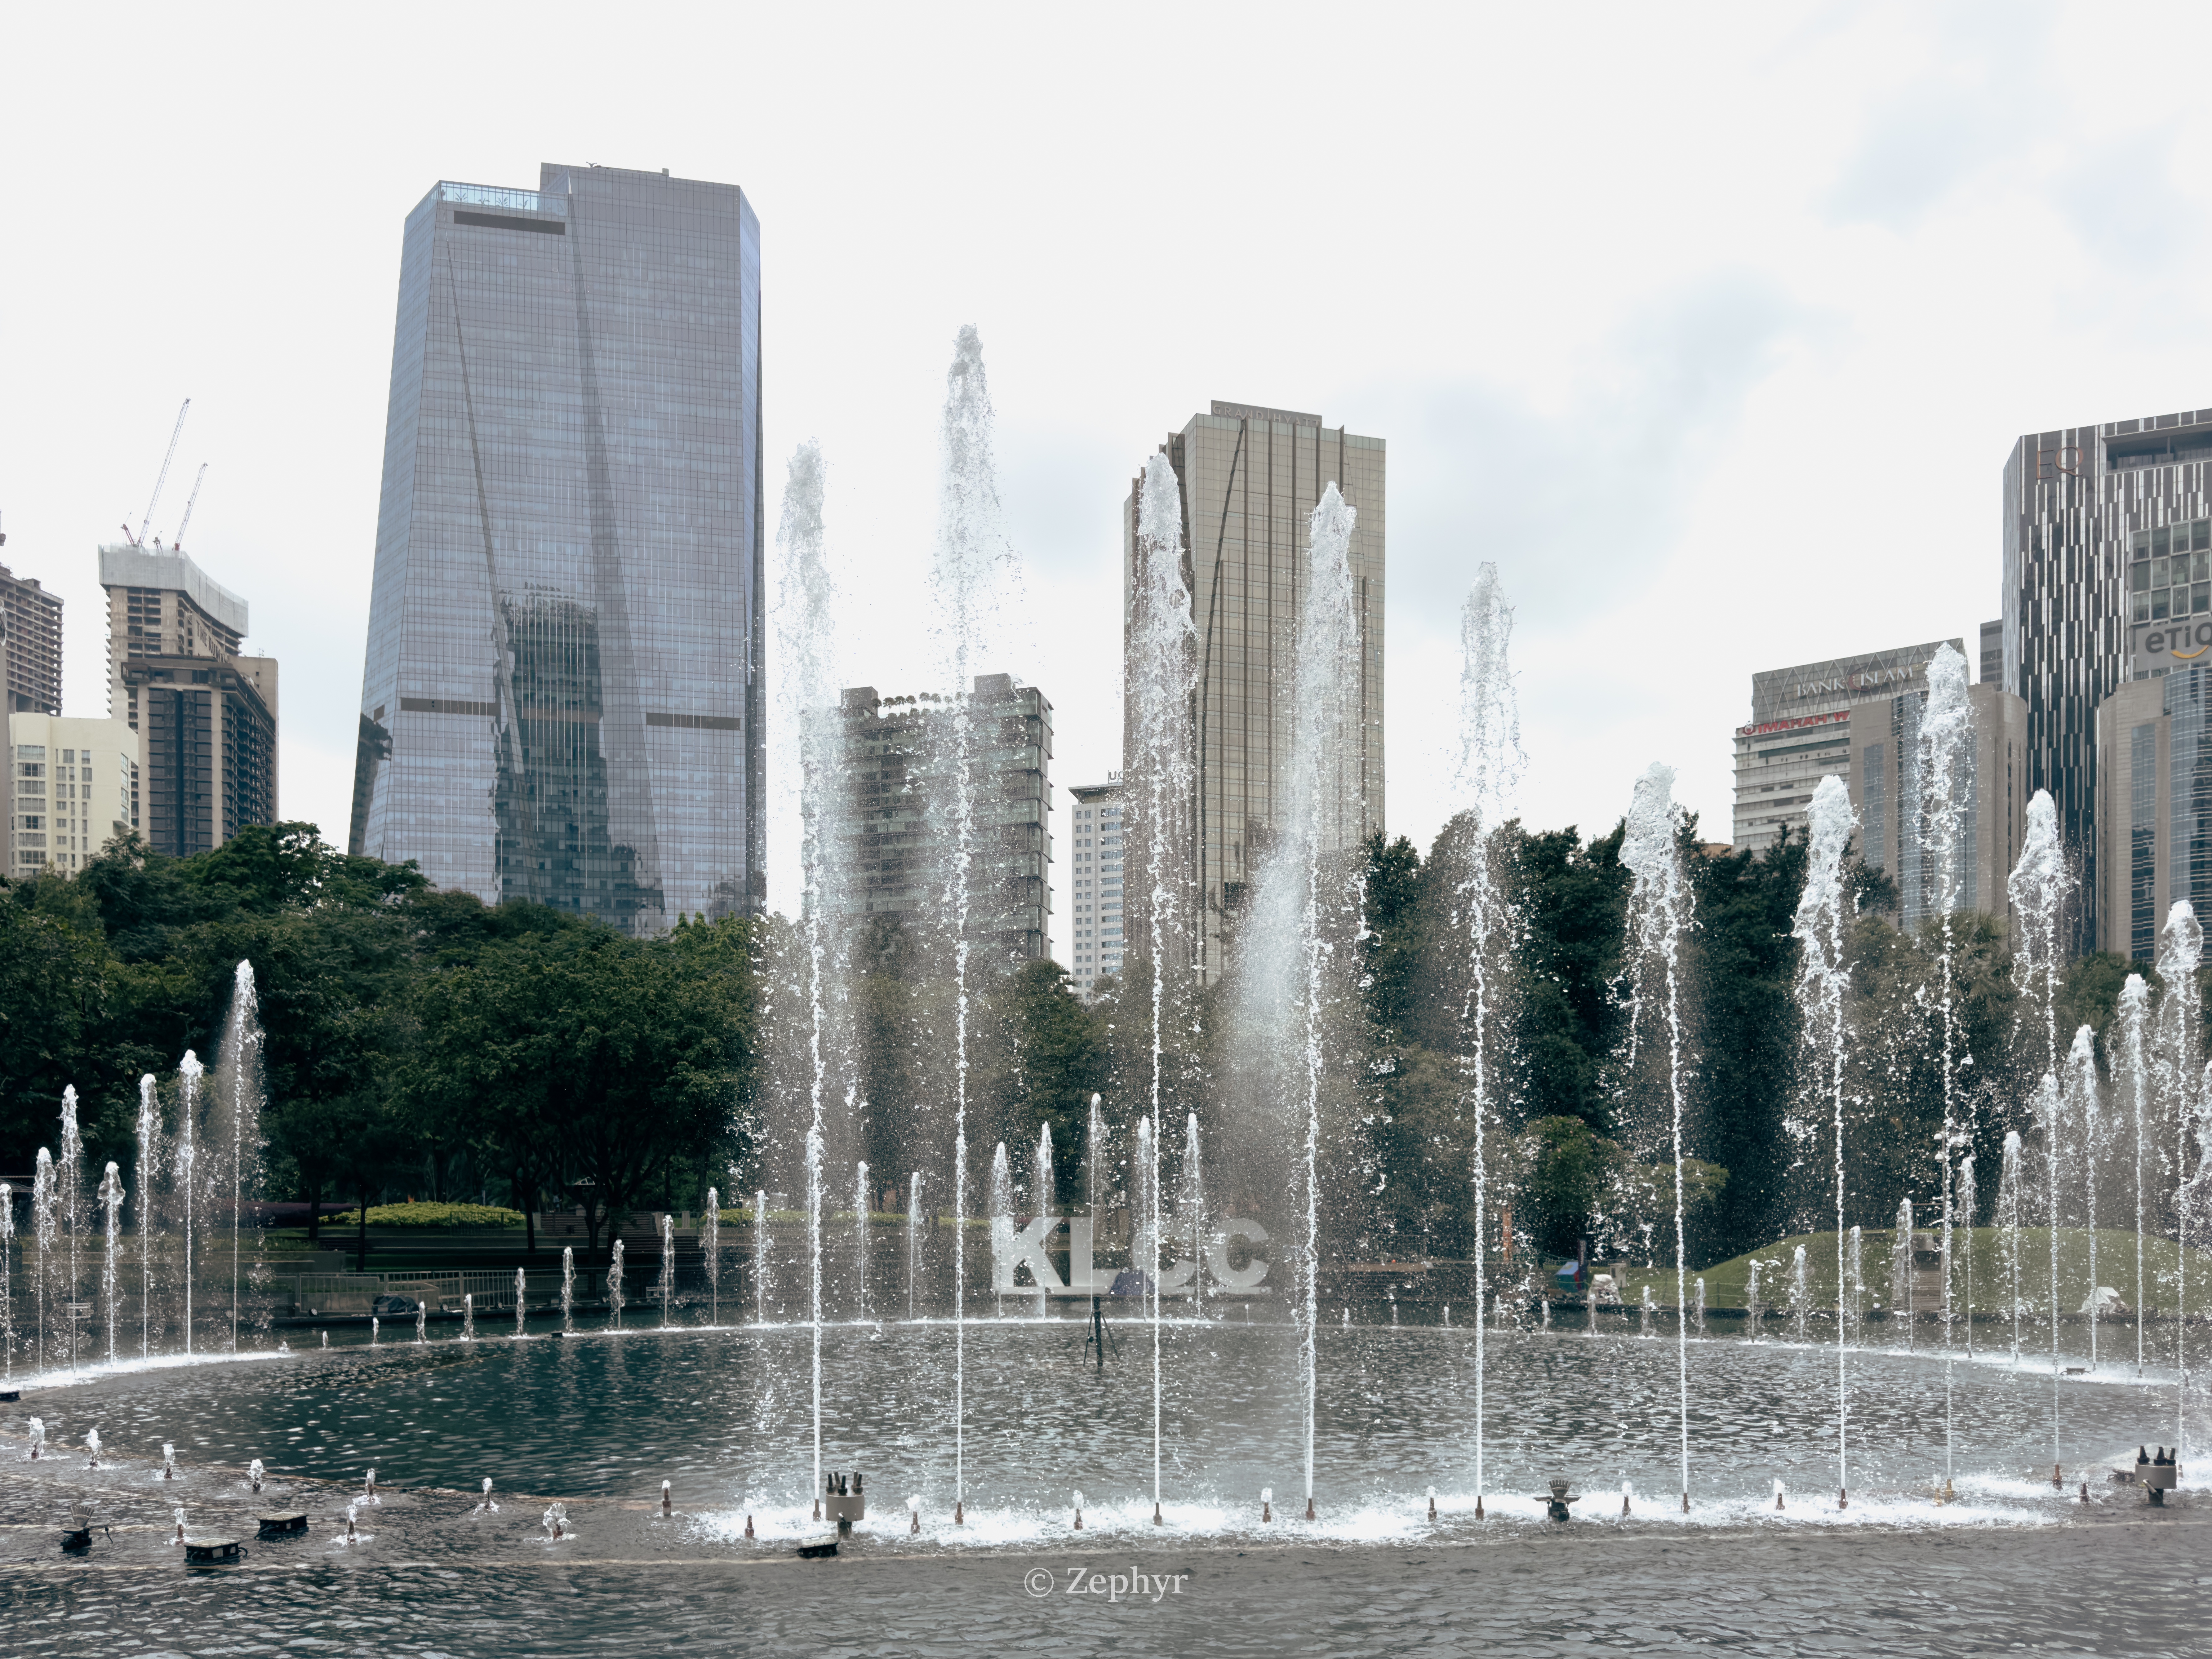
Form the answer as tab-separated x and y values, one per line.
899	771
206	712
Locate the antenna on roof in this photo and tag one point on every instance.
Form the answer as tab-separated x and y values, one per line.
139	540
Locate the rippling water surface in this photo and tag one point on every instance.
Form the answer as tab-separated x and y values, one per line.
598	1420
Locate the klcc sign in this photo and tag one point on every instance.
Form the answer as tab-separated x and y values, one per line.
1031	1246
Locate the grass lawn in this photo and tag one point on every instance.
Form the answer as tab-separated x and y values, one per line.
1727	1283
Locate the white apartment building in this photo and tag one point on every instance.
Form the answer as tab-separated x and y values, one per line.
1094	871
76	789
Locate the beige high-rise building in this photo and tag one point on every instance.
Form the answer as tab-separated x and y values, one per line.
75	790
205	713
1250	478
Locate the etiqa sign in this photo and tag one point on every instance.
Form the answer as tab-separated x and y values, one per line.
1013	1249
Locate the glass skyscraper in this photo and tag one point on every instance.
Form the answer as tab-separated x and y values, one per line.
563	700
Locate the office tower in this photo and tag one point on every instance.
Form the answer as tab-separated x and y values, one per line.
2154	808
1992	665
34	645
2080	503
75	781
1884	782
897	762
1801	729
563	696
1094	878
1251	477
204	712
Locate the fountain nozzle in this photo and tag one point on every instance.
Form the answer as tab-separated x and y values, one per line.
1267	1504
1309	1509
1777	1494
1843	1497
668	1501
1156	1516
1555	1507
1433	1503
749	1526
1078	1511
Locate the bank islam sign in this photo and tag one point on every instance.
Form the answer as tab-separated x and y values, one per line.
1014	1248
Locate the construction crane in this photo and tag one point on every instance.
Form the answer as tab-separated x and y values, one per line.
192	501
139	540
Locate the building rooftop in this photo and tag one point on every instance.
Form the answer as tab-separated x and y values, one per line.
166	567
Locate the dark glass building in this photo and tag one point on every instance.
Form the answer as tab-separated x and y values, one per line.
2090	514
563	697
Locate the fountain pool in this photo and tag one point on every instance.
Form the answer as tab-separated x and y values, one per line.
725	1415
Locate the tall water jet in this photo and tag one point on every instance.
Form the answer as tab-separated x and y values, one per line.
2135	1009
710	1239
806	616
913	1237
111	1199
1145	1258
1042	1190
1969	1200
149	1158
2007	1220
760	1257
667	1286
1488	773
1855	1268
238	1094
2049	1106
42	1230
2081	1079
189	1071
964	576
567	1290
1190	1208
1296	952
860	1238
1945	746
614	1286
1658	916
999	1216
521	1306
2180	1043
1822	981
1163	676
814	1292
7	1280
68	1214
2037	888
1900	1269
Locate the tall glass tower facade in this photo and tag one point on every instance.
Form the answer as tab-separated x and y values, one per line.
563	700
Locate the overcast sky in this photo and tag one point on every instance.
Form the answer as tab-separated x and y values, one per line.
1712	325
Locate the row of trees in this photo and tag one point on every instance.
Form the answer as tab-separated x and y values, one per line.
418	1042
415	1041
